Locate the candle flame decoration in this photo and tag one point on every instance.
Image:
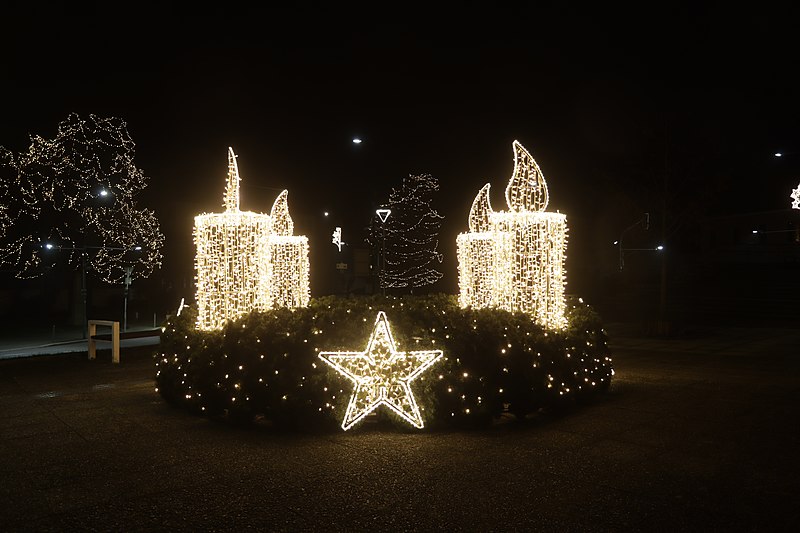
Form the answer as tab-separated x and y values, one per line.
514	259
247	261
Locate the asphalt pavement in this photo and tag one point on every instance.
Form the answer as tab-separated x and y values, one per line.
697	433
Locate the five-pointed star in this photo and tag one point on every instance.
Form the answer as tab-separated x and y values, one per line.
382	375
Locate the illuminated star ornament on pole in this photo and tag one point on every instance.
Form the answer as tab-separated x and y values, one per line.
796	198
382	375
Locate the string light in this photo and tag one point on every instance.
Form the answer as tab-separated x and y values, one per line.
247	261
514	260
409	238
796	198
382	375
337	238
77	194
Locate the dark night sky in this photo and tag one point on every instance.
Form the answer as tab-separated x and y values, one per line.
597	94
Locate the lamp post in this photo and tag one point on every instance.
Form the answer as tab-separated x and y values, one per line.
83	251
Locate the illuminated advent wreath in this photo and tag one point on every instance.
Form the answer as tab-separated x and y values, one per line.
247	261
514	260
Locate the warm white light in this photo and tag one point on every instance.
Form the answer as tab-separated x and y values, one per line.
659	247
356	140
796	198
383	214
337	238
43	197
382	375
778	154
247	261
514	259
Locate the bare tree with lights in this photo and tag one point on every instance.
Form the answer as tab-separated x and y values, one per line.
73	199
409	237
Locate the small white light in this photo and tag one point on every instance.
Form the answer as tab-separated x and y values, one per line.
48	246
103	192
137	248
659	247
383	214
778	154
356	140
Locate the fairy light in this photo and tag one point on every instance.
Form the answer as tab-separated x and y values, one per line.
247	261
78	193
382	375
796	198
409	238
337	238
514	259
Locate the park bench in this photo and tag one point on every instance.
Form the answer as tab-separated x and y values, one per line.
114	337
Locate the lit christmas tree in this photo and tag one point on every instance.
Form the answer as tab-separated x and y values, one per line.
409	237
73	198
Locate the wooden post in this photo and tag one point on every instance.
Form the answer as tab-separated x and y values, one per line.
115	342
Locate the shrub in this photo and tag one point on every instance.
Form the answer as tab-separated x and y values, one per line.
266	364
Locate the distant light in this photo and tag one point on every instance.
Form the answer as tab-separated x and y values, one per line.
103	192
325	213
755	231
383	214
659	247
138	248
778	154
356	140
616	243
48	246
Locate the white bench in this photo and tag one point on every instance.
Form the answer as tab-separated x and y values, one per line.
114	338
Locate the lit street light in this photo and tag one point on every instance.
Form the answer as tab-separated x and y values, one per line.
83	250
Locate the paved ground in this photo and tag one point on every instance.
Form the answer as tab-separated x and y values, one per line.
696	433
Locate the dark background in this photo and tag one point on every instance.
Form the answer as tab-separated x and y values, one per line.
667	108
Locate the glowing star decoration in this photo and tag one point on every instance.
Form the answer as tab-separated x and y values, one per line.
382	375
796	198
337	238
247	261
514	259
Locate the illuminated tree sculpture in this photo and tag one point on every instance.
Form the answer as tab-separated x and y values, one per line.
796	198
73	198
247	261
409	237
514	260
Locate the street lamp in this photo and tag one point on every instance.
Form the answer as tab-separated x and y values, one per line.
83	251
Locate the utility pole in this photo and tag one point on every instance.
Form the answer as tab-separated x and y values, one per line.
663	327
128	272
